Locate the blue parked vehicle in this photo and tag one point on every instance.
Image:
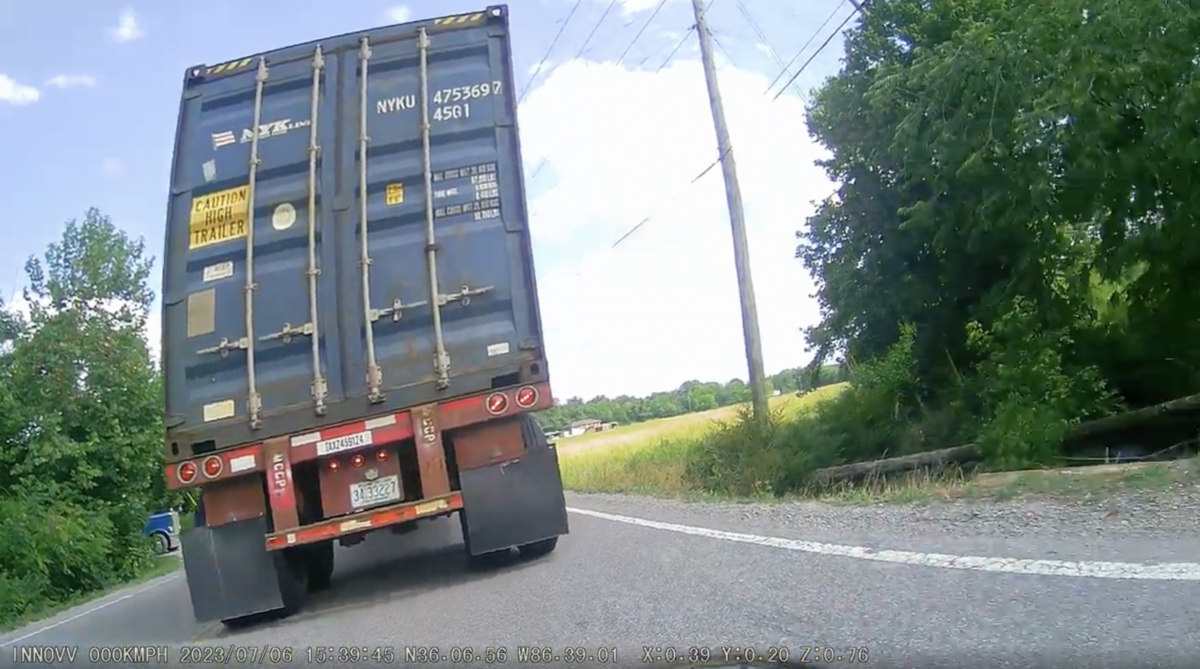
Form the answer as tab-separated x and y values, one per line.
163	527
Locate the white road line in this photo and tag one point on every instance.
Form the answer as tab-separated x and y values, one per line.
1176	571
87	612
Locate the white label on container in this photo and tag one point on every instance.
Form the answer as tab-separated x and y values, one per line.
497	349
347	442
220	270
241	463
219	410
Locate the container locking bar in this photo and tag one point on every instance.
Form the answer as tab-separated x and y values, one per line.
441	359
319	387
374	373
224	346
396	311
254	400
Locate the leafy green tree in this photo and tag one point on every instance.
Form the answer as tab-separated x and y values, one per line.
80	420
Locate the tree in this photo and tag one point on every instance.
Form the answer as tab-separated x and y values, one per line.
80	419
994	149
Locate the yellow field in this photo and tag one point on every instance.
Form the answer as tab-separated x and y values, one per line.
649	457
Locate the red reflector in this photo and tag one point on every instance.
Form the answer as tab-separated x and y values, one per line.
213	466
186	472
497	403
382	455
527	397
334	465
357	459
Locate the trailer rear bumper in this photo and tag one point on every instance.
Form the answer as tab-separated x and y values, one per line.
372	519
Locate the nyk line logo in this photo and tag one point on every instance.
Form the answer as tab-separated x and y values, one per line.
272	129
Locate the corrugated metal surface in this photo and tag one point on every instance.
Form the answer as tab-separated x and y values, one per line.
491	330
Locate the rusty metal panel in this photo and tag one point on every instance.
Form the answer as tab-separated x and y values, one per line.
487	444
281	487
337	485
234	499
431	458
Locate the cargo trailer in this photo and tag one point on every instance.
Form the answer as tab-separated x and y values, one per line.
351	331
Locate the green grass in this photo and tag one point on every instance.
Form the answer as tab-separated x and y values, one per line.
1077	483
161	567
650	457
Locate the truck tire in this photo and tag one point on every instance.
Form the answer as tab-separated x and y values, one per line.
319	562
539	549
161	544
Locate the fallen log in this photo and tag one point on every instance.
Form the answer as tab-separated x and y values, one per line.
1135	418
860	470
970	452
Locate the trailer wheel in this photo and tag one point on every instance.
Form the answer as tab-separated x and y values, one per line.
539	549
319	562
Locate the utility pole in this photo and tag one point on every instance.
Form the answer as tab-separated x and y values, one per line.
737	221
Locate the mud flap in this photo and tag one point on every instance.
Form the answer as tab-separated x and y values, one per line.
517	502
230	573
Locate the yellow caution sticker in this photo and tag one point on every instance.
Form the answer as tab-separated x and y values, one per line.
394	194
219	217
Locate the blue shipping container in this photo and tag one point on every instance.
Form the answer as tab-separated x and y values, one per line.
267	328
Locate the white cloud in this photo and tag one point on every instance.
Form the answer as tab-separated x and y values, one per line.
127	28
112	168
398	14
634	6
70	81
17	94
663	306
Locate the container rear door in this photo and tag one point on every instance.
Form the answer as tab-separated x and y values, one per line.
484	292
287	271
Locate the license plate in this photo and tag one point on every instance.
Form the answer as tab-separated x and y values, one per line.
337	444
370	493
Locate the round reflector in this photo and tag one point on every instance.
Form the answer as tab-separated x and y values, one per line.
213	466
186	472
496	403
527	397
334	465
382	454
357	459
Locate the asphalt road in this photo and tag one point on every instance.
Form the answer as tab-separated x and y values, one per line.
670	576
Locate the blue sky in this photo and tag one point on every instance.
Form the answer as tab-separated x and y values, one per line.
89	96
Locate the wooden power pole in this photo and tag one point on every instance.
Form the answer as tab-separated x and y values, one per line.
737	221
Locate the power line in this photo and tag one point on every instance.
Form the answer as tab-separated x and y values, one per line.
720	46
763	37
638	36
546	56
596	27
798	73
810	41
816	53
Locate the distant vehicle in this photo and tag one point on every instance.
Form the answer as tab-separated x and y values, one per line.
352	337
163	528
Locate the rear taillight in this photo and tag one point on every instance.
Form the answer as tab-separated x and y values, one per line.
527	397
213	466
382	455
357	459
334	465
496	403
186	472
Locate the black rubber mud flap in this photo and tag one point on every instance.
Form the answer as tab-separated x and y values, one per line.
515	503
231	575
